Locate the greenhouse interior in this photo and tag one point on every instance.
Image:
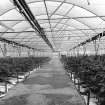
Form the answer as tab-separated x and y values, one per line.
52	52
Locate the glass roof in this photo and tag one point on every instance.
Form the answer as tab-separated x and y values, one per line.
68	23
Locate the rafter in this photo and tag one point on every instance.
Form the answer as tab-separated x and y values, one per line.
55	18
63	16
57	8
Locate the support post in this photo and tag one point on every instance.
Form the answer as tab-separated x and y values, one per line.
28	52
4	50
77	51
6	89
84	50
33	52
88	98
19	51
78	85
96	46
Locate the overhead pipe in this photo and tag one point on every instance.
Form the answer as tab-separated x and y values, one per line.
28	11
24	9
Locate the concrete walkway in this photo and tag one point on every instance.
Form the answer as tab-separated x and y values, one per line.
47	86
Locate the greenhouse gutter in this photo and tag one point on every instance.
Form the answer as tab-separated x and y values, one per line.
15	43
94	38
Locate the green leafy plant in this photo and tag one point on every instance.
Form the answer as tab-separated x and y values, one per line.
90	70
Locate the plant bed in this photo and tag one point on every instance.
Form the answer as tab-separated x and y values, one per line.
14	70
91	72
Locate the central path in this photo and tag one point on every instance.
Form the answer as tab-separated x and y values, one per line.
47	86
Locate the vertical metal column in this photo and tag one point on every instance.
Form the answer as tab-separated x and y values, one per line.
28	52
78	52
84	50
96	47
19	50
4	50
33	51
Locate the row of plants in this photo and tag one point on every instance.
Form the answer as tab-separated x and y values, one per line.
91	72
14	67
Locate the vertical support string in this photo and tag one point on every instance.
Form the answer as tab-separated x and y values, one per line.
84	50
